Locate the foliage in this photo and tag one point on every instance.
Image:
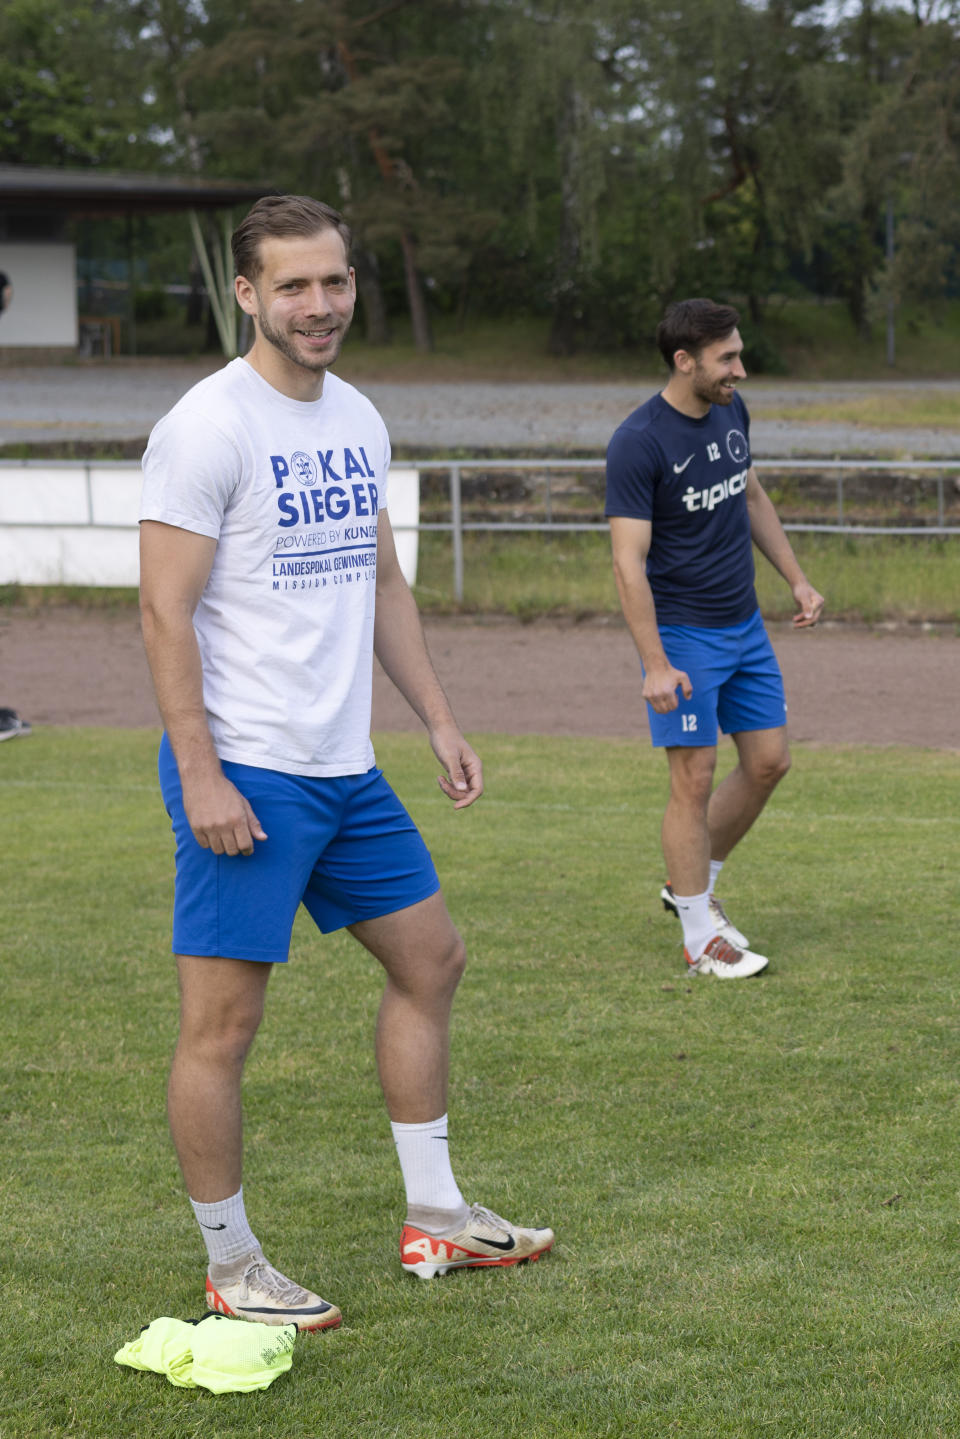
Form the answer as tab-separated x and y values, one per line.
68	84
900	162
580	163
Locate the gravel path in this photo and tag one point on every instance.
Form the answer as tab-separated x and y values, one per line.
121	400
846	684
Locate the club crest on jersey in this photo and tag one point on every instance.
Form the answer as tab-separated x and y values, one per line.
737	446
303	468
336	466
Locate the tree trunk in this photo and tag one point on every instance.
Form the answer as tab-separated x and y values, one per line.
419	318
756	303
564	327
196	298
376	321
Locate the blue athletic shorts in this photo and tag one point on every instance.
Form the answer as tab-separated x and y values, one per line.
344	847
736	682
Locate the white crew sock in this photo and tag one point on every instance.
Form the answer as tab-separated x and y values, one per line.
225	1230
424	1156
716	865
698	927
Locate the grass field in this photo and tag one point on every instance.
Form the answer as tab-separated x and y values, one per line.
814	341
754	1185
885	409
818	342
872	578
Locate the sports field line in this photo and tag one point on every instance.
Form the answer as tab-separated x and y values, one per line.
79	786
540	807
899	818
776	814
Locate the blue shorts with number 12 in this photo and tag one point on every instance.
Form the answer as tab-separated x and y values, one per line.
736	682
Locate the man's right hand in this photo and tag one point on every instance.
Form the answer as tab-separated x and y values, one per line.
660	685
220	817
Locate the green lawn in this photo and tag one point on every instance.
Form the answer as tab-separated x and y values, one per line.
754	1185
814	340
872	578
886	408
817	341
867	578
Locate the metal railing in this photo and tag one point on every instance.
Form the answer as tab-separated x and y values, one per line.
925	471
922	472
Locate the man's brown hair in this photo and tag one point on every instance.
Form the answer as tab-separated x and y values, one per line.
282	217
691	324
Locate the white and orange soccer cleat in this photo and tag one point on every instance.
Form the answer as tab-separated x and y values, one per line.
726	960
253	1289
484	1240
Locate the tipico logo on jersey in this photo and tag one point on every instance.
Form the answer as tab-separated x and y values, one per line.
737	446
709	498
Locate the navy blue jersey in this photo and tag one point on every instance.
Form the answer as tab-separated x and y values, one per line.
688	478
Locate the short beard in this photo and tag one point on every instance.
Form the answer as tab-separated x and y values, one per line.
716	394
285	345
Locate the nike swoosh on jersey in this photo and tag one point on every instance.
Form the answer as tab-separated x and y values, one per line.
679	469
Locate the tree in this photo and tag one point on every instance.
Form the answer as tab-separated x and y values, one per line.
583	161
345	103
754	96
69	85
905	156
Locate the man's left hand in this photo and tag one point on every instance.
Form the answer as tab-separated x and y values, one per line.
463	781
809	604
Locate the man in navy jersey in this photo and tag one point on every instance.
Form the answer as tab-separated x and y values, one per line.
685	508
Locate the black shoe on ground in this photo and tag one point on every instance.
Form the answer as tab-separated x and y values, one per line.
11	724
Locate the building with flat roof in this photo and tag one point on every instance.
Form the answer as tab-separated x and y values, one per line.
38	206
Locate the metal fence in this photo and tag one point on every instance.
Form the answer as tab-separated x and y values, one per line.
929	478
909	497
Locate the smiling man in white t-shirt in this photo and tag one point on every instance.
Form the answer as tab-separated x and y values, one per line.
269	577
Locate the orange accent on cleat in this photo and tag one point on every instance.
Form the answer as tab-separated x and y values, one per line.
309	1317
485	1242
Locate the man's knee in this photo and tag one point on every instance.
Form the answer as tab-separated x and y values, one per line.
220	1021
450	960
766	771
420	948
443	963
691	777
224	1037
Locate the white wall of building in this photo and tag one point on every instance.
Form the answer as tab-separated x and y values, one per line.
76	524
43	310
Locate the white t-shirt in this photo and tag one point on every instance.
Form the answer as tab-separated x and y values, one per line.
291	492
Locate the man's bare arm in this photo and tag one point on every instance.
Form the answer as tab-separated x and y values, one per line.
631	543
770	539
174	567
400	647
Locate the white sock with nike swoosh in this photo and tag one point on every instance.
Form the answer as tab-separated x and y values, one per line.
698	925
225	1229
432	1192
